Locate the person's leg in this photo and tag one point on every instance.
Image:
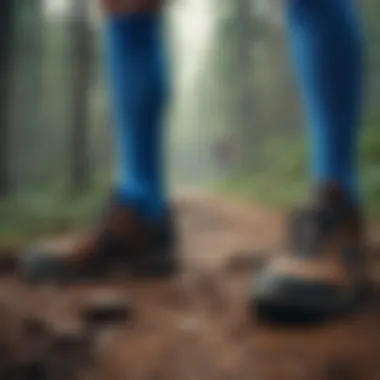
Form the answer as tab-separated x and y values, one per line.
326	42
138	85
323	273
136	234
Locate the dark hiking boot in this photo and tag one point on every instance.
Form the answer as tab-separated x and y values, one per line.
324	273
122	244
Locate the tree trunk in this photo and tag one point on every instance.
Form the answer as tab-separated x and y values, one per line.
28	131
245	128
6	48
81	78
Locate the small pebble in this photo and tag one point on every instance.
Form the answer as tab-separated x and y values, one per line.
105	309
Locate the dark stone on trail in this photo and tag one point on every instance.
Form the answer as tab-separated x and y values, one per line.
8	262
341	371
35	327
26	371
107	309
5	361
34	371
69	338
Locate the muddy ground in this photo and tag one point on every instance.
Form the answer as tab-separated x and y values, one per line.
191	327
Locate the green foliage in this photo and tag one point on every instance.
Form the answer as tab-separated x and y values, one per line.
286	158
26	216
280	178
370	164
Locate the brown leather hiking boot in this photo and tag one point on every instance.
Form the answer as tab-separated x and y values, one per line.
324	273
122	243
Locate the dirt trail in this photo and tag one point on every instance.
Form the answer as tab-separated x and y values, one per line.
192	327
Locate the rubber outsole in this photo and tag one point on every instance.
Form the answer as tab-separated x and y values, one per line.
286	313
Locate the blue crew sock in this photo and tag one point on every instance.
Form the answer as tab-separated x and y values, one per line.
138	86
326	40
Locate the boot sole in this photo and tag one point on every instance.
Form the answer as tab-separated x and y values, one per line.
165	264
292	313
